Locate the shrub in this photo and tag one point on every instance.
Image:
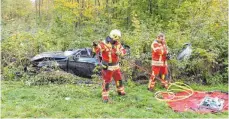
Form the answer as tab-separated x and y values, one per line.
51	77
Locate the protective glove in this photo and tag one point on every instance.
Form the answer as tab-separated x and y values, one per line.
104	66
168	56
93	54
118	53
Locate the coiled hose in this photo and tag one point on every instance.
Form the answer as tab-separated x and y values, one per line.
178	86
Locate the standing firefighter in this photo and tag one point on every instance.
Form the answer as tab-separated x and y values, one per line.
111	50
159	61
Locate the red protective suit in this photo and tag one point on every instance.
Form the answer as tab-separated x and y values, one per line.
159	63
110	60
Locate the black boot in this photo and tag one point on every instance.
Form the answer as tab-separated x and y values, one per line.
120	87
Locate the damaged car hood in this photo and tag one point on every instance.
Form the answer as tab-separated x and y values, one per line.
53	55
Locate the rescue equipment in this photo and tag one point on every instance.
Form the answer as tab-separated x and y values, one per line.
212	103
170	92
201	102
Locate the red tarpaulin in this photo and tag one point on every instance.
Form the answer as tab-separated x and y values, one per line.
192	103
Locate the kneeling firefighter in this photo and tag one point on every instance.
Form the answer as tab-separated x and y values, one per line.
111	50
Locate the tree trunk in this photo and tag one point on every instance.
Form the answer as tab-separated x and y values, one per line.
98	2
39	9
77	22
36	8
128	14
113	9
108	11
150	7
107	3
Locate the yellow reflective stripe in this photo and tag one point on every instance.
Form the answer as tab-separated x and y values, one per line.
163	77
105	94
121	89
112	68
160	58
109	56
122	54
99	46
162	51
117	83
150	80
157	63
152	85
153	46
149	83
118	47
164	81
103	85
107	48
153	73
109	45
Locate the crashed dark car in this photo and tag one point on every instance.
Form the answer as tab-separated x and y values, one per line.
80	62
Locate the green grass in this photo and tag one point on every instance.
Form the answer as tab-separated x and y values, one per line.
23	101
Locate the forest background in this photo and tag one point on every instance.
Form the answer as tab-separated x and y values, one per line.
35	26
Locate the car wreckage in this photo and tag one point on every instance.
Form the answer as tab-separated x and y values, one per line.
82	62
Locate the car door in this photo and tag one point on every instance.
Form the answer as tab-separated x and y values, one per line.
82	64
87	61
73	65
63	64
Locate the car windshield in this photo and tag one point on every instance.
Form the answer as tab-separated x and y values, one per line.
68	53
84	53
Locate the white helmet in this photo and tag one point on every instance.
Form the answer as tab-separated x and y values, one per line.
115	34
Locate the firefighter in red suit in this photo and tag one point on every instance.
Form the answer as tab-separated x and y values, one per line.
111	50
159	61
